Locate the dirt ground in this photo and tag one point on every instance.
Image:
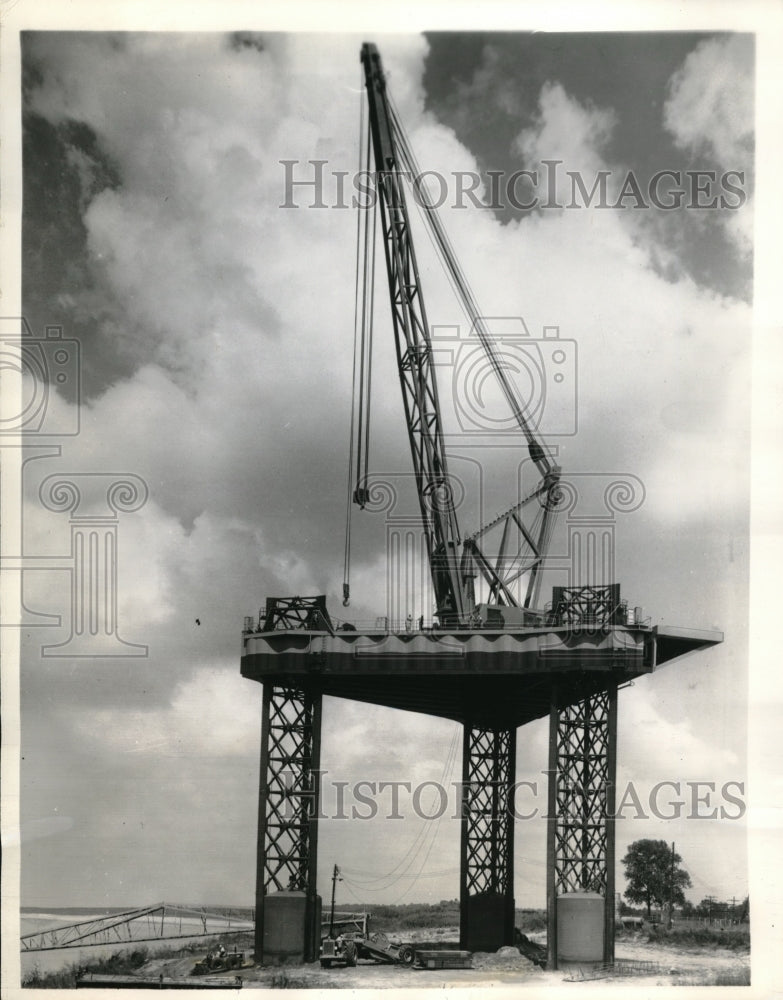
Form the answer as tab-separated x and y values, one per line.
671	967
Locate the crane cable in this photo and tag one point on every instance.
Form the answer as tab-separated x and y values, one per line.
402	870
349	488
361	386
365	374
363	324
415	847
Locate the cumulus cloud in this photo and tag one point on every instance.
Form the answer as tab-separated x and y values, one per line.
710	109
566	130
178	729
688	754
710	102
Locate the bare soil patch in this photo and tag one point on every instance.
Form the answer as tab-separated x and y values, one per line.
672	965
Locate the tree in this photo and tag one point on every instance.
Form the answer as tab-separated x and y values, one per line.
653	875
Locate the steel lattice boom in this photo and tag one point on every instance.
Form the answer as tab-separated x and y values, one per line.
414	355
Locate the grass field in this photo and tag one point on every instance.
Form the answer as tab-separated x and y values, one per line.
412	916
736	938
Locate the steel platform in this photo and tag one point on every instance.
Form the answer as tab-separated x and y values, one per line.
565	662
498	678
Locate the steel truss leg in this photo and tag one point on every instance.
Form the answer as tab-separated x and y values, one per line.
581	826
288	807
487	867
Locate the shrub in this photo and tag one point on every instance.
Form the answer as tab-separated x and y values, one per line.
126	960
530	920
734	938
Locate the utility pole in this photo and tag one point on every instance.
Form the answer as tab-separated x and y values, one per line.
733	908
710	901
335	879
671	891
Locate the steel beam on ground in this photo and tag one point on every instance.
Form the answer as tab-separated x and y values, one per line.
162	921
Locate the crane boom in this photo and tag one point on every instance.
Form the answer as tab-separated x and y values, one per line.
414	357
527	526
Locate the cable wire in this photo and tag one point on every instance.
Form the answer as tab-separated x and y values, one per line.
415	848
357	338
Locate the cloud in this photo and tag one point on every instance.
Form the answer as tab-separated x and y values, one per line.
688	754
217	694
710	110
710	102
567	131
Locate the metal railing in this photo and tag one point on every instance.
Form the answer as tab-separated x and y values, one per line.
386	625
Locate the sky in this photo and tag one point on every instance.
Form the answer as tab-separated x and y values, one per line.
215	330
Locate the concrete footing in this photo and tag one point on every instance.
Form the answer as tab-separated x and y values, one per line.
291	928
486	922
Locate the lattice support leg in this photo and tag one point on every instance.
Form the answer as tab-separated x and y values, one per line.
581	829
487	866
288	910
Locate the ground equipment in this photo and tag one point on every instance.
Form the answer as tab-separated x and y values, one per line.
349	938
219	960
337	951
345	948
378	947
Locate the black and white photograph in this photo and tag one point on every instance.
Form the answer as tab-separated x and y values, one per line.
386	473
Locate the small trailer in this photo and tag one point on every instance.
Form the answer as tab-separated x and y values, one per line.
381	949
